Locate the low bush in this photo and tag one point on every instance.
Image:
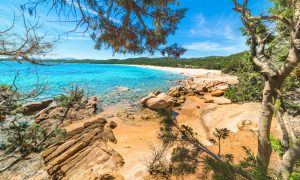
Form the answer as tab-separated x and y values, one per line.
28	137
277	146
250	84
72	97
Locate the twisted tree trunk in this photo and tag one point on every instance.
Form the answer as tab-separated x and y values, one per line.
289	159
264	126
274	77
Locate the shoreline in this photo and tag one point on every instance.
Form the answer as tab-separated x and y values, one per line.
190	72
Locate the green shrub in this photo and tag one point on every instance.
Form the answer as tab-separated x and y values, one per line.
295	176
8	99
167	134
73	96
277	146
184	160
249	88
28	137
249	168
250	84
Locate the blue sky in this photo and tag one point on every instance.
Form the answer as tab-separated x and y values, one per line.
210	28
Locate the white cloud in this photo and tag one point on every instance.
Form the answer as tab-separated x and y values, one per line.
87	9
222	27
200	19
206	46
84	38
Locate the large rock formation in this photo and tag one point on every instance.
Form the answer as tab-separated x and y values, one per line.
52	114
33	107
84	154
210	82
158	101
217	93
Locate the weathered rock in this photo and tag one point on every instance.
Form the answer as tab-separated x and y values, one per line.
43	114
122	89
177	91
161	101
2	117
145	99
31	108
209	82
32	167
221	100
108	116
229	116
156	93
145	117
54	113
182	98
204	89
217	93
112	124
92	104
108	135
84	153
208	100
246	125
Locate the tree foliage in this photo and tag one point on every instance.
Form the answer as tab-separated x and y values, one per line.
274	40
25	44
250	84
174	51
132	26
25	137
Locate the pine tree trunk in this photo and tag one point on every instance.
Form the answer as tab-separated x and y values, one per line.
288	160
284	131
264	144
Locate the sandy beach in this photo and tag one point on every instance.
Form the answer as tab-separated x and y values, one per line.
184	71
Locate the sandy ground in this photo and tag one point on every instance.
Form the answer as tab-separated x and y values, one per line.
137	137
184	71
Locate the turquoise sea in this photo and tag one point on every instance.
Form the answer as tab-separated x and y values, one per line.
99	80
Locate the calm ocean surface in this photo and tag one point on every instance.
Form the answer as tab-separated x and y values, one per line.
99	80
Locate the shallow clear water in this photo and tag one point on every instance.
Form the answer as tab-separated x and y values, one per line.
99	80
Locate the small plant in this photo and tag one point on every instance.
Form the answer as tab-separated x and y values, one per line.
27	137
219	134
184	160
277	146
166	129
72	97
8	99
249	168
173	51
158	167
250	84
295	176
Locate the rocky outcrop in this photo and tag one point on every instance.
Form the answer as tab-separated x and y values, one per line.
54	113
2	117
210	82
178	91
217	93
84	154
234	117
122	89
158	101
33	107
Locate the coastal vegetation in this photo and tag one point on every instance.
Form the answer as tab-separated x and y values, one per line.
267	74
225	63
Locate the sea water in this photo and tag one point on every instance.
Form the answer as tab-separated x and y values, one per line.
97	79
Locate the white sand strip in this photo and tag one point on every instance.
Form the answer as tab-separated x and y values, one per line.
184	71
